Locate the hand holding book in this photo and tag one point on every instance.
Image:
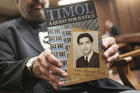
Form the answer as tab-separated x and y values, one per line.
46	67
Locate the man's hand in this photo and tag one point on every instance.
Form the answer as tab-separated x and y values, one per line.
111	49
46	67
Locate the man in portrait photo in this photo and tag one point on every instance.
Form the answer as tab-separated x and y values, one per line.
90	58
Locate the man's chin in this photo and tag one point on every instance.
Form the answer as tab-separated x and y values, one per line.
37	20
37	15
37	10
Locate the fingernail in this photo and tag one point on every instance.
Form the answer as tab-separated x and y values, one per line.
63	71
108	60
106	55
61	84
104	45
64	74
59	64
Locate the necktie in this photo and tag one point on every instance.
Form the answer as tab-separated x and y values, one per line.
86	62
86	59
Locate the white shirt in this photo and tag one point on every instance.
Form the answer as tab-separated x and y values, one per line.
89	56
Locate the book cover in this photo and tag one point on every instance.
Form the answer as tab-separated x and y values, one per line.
74	39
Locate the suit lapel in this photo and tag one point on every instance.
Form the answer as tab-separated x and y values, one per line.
92	60
26	32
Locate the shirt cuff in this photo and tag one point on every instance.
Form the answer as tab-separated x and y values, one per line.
30	63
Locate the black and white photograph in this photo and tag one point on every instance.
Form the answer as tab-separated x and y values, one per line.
85	49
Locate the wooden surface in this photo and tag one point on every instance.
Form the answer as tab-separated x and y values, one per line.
124	13
129	38
116	77
131	54
124	71
127	77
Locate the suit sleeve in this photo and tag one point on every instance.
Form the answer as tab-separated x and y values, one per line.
13	72
77	63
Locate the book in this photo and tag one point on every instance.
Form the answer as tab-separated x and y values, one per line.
69	27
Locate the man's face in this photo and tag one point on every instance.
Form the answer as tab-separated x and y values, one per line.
32	10
85	45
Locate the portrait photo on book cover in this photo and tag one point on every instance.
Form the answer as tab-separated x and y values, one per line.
85	49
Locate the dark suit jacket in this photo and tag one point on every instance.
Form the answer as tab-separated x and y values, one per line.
93	62
17	45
